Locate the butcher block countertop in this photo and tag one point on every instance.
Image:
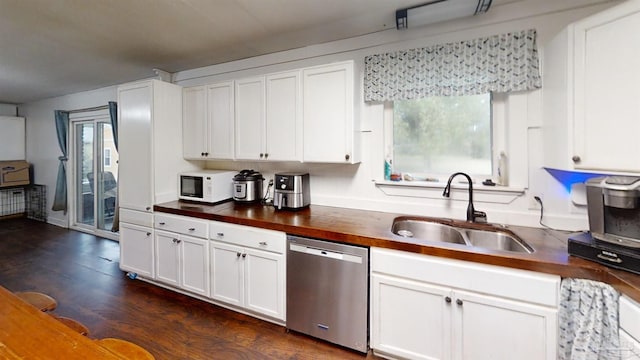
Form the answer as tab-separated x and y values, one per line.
373	228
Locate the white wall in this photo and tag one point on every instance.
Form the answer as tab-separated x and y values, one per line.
42	141
353	186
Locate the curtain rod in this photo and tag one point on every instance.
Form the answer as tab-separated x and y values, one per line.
95	108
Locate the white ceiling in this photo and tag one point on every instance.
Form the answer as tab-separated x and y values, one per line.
55	47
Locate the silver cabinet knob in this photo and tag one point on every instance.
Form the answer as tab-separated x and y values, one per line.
148	234
447	299
576	159
459	302
244	256
238	254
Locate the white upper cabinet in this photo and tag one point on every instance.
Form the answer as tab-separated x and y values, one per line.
208	121
194	123
268	125
135	142
283	129
250	115
591	94
306	115
149	143
328	114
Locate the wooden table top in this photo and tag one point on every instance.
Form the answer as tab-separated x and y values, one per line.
373	228
28	333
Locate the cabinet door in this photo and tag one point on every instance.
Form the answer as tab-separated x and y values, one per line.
250	94
221	117
13	138
410	319
493	328
283	118
134	145
607	48
194	265
227	273
328	113
264	283
194	123
629	328
136	249
167	257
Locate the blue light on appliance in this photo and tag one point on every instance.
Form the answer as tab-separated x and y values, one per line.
568	178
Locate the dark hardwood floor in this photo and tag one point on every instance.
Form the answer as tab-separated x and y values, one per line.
81	272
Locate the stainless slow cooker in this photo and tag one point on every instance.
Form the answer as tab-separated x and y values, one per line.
247	186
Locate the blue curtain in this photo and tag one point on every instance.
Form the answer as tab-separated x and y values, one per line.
60	199
113	114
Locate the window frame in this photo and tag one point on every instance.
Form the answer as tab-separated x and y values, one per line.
499	133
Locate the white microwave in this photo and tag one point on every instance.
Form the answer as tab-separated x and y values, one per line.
207	186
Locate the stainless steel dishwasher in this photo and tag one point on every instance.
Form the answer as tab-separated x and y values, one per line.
327	291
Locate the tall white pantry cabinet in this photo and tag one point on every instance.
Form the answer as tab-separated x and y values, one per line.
150	149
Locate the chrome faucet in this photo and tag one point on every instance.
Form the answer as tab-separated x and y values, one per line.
472	214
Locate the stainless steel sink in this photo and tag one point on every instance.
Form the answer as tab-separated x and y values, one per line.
426	230
496	240
429	230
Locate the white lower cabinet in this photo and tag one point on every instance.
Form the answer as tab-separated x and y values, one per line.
136	249
424	307
182	253
629	329
182	261
248	268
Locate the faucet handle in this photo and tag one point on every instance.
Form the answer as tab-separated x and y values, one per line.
479	216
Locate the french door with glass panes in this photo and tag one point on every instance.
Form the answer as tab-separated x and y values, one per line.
95	175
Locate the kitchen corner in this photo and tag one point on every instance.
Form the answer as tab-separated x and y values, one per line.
372	229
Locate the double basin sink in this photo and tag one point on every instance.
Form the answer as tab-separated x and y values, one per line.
431	230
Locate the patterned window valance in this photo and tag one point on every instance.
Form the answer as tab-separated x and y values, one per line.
500	63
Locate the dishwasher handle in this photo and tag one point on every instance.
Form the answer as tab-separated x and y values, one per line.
325	253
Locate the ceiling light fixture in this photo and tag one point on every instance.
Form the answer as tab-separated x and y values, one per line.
438	11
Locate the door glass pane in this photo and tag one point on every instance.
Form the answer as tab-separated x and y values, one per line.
84	173
108	165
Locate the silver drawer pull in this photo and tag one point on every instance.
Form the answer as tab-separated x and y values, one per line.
192	229
611	259
161	223
263	243
148	233
220	234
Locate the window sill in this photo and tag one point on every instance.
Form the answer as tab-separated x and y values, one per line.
459	191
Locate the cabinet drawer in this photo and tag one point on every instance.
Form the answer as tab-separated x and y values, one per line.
248	236
523	285
182	225
136	217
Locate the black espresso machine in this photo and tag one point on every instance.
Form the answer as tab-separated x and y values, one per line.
613	206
